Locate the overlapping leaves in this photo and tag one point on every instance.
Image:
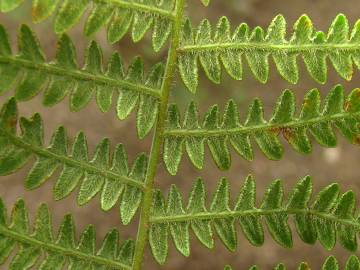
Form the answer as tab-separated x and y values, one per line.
30	73
338	110
330	263
329	217
214	46
38	245
112	179
119	16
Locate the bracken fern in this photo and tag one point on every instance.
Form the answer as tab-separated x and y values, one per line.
328	217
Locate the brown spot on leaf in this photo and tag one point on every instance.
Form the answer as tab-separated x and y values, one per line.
36	11
288	133
357	139
275	130
11	123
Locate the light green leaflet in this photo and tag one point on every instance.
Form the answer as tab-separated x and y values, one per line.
220	132
111	178
214	45
62	77
119	16
329	208
37	244
330	263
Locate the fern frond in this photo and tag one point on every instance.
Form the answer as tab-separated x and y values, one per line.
34	243
330	263
119	16
29	71
329	217
212	46
112	178
217	133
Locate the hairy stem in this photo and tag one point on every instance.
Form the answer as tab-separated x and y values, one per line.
158	138
77	75
268	47
267	126
256	212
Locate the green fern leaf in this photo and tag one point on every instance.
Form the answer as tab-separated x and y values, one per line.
329	217
219	133
112	178
277	223
345	209
62	77
225	228
330	263
205	2
324	203
118	16
42	9
173	148
300	198
99	16
250	225
188	67
33	244
8	5
212	46
201	228
179	230
158	233
69	14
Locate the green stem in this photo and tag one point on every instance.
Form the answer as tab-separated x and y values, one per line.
78	75
48	246
267	126
170	69
268	47
254	212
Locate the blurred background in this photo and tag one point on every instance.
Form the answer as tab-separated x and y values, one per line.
324	165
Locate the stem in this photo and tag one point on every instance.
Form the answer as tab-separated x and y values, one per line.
268	47
255	212
78	75
262	127
155	152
